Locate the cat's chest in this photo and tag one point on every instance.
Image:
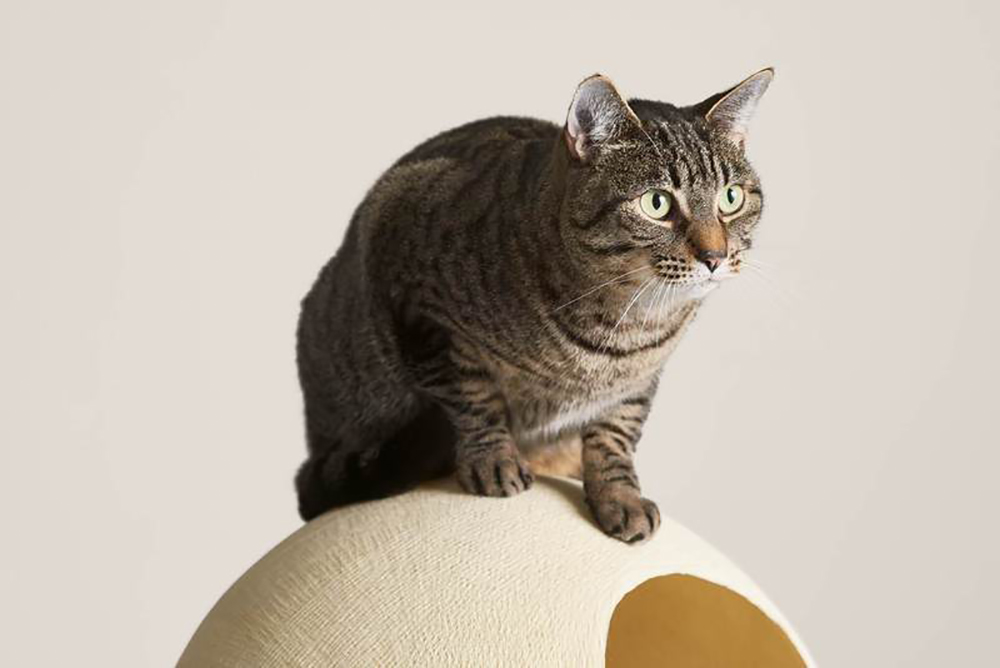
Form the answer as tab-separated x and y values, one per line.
578	385
539	413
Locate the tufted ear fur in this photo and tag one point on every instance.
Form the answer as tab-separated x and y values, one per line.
598	114
731	110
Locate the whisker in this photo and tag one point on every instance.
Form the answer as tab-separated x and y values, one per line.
755	261
665	298
760	271
668	299
602	285
758	265
652	302
635	296
784	297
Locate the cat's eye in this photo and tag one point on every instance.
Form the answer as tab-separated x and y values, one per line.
655	203
731	199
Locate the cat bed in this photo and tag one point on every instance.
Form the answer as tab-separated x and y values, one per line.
437	577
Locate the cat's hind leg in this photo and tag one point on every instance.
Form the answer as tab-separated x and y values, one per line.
368	466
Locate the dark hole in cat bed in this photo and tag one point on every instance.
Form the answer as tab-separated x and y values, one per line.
682	620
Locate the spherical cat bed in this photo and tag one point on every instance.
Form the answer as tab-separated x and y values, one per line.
437	577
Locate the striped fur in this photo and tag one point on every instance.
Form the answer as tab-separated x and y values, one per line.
500	306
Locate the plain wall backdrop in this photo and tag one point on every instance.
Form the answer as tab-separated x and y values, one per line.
173	176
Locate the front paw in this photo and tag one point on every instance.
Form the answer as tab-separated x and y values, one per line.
499	472
625	515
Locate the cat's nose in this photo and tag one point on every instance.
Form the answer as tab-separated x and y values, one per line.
711	259
708	243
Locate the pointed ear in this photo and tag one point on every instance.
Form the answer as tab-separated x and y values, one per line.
597	114
731	110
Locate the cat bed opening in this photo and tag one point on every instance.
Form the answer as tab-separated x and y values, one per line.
437	577
681	620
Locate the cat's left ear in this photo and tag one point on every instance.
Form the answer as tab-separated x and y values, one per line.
598	115
731	110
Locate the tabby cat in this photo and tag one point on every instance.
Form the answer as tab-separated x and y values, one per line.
507	293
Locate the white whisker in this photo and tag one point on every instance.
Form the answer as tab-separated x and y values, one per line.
602	285
757	262
655	298
635	297
667	300
783	296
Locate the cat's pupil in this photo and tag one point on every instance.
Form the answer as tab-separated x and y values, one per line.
656	200
730	195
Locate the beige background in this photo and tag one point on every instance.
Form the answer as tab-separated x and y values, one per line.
172	176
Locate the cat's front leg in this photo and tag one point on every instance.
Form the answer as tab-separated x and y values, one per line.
487	459
491	466
610	482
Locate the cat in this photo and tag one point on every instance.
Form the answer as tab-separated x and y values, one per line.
507	293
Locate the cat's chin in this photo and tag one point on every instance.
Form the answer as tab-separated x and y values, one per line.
701	289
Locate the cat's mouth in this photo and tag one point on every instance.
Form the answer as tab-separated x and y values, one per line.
692	289
729	269
704	277
707	281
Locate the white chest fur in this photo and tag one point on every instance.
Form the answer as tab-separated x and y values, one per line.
535	419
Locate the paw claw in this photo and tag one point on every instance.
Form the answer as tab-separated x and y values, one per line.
477	483
625	516
496	473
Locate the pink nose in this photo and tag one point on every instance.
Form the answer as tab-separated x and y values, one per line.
711	259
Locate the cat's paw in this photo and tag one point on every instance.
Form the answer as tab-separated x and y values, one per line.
500	472
625	515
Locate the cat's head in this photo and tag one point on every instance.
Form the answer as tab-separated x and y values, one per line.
649	184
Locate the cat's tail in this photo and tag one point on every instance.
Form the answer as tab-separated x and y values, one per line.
422	450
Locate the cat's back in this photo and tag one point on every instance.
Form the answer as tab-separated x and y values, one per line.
443	186
477	142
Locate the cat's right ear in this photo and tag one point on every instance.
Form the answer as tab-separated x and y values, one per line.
731	110
598	114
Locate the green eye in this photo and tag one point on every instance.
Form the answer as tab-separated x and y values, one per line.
731	199
655	203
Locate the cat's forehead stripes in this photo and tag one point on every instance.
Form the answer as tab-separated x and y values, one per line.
689	157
